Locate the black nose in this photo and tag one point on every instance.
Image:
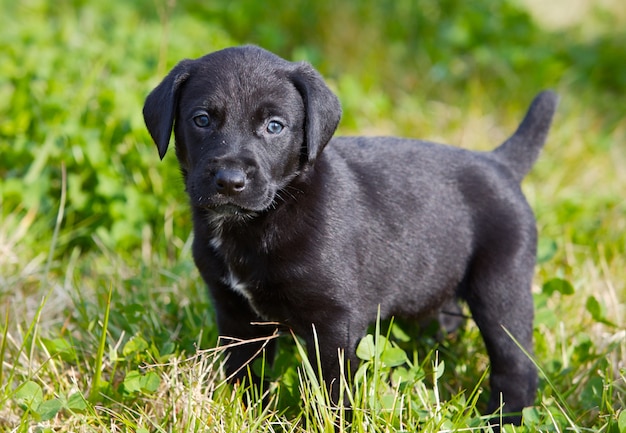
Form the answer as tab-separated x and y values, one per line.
230	181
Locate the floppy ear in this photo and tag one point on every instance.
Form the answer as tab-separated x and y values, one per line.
322	107
160	107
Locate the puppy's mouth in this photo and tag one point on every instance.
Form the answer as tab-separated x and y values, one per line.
225	210
230	210
226	214
233	208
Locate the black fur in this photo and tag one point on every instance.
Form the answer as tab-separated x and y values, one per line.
298	228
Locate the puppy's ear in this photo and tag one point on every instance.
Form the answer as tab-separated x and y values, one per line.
323	110
160	107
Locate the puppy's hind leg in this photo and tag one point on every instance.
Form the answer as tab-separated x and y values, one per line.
500	299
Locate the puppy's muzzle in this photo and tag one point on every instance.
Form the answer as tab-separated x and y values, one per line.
230	182
231	189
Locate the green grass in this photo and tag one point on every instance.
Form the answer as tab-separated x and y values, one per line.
105	324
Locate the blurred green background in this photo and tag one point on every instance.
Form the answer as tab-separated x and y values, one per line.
73	76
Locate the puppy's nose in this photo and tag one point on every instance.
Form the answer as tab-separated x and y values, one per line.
230	181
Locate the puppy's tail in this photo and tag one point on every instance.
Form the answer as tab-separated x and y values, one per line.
521	150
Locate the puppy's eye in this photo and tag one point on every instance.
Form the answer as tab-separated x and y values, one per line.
201	120
275	127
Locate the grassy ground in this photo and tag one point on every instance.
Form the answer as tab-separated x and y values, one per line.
105	324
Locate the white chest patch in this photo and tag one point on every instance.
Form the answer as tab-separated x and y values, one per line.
216	243
233	281
236	285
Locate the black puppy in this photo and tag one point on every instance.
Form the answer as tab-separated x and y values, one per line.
317	233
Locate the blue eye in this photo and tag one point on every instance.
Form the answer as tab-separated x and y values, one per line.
201	120
274	127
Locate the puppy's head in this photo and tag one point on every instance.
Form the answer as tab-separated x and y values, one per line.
246	123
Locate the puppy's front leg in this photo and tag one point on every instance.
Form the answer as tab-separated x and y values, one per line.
324	343
242	332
